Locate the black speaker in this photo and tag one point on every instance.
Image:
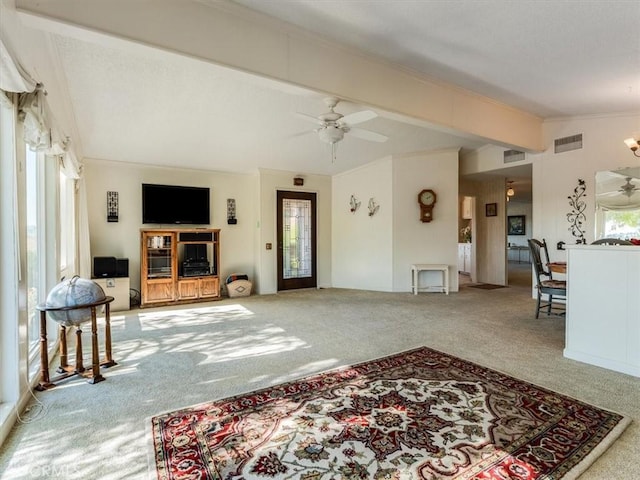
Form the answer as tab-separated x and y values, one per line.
194	252
122	267
104	267
196	236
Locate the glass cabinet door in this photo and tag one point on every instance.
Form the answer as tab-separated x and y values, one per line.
159	256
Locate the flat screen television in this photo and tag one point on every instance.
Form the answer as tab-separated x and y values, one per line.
174	204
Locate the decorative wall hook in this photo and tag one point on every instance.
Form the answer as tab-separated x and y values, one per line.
373	207
354	204
576	217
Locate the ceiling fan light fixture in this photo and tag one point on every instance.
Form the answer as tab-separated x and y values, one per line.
510	191
331	134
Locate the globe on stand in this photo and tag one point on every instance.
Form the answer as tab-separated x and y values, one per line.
71	293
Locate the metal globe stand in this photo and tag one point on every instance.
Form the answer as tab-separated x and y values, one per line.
93	376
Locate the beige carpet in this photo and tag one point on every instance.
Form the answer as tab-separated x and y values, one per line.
171	358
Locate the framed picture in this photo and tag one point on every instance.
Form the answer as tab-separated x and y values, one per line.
491	209
516	225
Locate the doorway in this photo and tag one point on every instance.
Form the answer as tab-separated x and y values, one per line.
296	226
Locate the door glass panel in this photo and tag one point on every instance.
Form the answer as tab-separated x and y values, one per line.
296	240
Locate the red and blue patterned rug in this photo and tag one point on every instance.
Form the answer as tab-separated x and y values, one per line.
420	414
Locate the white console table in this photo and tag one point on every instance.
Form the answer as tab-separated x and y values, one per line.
419	267
602	323
118	288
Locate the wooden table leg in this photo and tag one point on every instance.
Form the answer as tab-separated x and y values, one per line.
79	360
96	377
108	361
45	382
64	365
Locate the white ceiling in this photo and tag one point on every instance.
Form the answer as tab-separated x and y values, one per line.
551	58
136	104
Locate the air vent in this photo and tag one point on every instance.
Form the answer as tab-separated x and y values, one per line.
566	144
513	156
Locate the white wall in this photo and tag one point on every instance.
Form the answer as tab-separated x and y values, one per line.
521	208
376	253
362	244
556	175
432	242
554	178
122	239
270	182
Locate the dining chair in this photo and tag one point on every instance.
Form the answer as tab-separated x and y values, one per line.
611	241
546	284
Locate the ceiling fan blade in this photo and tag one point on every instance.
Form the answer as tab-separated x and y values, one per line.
301	134
358	117
309	118
609	194
368	135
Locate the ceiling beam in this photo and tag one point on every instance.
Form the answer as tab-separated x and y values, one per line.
232	36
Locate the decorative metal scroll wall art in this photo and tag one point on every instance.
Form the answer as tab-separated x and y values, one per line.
576	217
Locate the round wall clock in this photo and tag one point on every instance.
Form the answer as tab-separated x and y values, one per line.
427	199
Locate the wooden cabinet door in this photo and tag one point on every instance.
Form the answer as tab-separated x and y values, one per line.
209	287
159	290
188	289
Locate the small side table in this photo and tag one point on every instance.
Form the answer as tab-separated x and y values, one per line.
93	376
419	267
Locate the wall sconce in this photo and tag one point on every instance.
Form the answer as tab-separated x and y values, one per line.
298	181
373	207
632	143
112	206
231	211
353	204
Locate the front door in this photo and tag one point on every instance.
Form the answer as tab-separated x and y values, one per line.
296	240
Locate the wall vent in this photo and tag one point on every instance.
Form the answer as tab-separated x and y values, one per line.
566	144
513	156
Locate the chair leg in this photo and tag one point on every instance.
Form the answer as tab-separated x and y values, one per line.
550	304
538	306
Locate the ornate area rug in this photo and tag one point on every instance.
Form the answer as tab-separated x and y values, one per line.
420	414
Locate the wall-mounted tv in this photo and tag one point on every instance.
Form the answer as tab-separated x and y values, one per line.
175	204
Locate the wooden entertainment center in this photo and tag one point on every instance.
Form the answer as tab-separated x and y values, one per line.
170	274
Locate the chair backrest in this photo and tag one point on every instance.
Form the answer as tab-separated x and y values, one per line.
611	241
536	247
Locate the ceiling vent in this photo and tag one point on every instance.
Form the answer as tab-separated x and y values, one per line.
566	144
513	156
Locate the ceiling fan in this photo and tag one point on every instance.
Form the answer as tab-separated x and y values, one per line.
628	188
334	125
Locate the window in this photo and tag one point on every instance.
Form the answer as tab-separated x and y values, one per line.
66	209
33	176
623	224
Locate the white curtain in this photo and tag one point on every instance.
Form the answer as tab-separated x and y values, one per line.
41	134
13	78
615	205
